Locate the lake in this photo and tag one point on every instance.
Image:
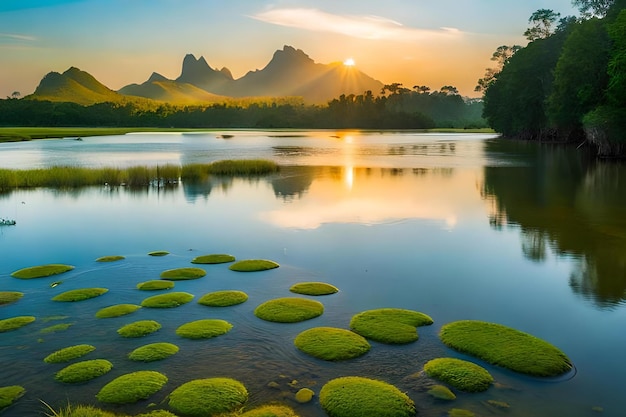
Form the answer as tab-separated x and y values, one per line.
456	226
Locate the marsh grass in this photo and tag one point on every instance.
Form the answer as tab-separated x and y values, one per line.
169	300
331	344
79	294
245	167
61	327
313	288
208	397
223	298
289	310
83	371
116	310
217	258
132	387
8	297
204	329
183	274
153	352
10	394
15	323
253	265
389	325
112	258
69	353
139	328
155	285
463	375
41	271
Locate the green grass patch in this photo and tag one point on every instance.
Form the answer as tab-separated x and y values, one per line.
10	394
208	397
79	294
132	387
243	167
462	375
155	285
79	410
153	352
139	328
313	288
8	297
253	265
15	323
116	310
216	258
389	325
204	329
332	344
41	271
158	253
506	347
270	410
69	353
441	392
223	298
112	258
169	300
363	397
61	327
183	274
83	371
289	310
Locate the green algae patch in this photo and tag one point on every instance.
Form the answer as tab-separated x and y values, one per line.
155	285
8	297
83	371
41	271
331	344
223	298
132	387
69	353
61	327
441	392
153	352
139	328
304	395
116	310
463	375
112	258
313	288
506	347
359	397
15	323
180	274
216	258
289	310
204	329
390	325
207	397
79	294
158	253
253	265
10	394
460	412
169	300
271	410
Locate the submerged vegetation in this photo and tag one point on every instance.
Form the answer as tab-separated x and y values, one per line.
8	297
10	394
14	323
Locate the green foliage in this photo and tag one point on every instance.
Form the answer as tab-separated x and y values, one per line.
289	310
56	328
463	375
132	387
41	271
116	310
271	410
244	167
10	394
204	329
158	253
111	258
8	297
460	412
169	300
213	259
252	265
362	397
153	352
331	344
79	294
223	298
14	323
389	325
72	410
183	274
441	392
69	353
207	397
155	285
83	371
506	347
139	328
313	288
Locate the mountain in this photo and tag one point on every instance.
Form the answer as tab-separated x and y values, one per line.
157	87
197	72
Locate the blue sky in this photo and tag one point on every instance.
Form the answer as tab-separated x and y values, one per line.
434	43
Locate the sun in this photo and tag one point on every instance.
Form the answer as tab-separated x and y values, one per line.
349	62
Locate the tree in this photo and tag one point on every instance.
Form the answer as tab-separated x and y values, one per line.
589	8
16	94
422	89
449	90
501	56
543	21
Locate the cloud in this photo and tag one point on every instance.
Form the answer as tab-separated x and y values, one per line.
16	37
364	27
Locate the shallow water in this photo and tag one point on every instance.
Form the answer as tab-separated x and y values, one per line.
455	226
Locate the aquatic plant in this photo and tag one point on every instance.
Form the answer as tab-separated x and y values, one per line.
78	410
8	297
460	412
169	300
270	410
112	258
158	253
506	347
116	310
331	344
313	288
183	274
463	375
132	387
153	352
289	310
304	395
41	271
353	396
217	258
242	167
56	328
389	325
14	323
10	394
139	328
69	353
253	265
155	285
204	329
223	298
79	294
83	371
206	397
441	392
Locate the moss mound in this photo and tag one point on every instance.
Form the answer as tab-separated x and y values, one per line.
289	310
441	392
313	288
207	397
8	297
170	300
80	294
158	253
389	325
155	285
252	265
116	310
41	271
217	258
331	344
69	353
139	328
304	395
506	347
153	352
15	323
223	298
10	394
362	397
204	329
83	371
130	388
463	375
271	410
79	410
110	258
183	274
460	412
61	327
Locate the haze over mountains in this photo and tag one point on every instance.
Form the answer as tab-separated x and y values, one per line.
289	73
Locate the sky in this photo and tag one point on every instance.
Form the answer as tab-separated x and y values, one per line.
413	42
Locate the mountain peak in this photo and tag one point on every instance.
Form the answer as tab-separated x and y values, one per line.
291	54
156	77
227	73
